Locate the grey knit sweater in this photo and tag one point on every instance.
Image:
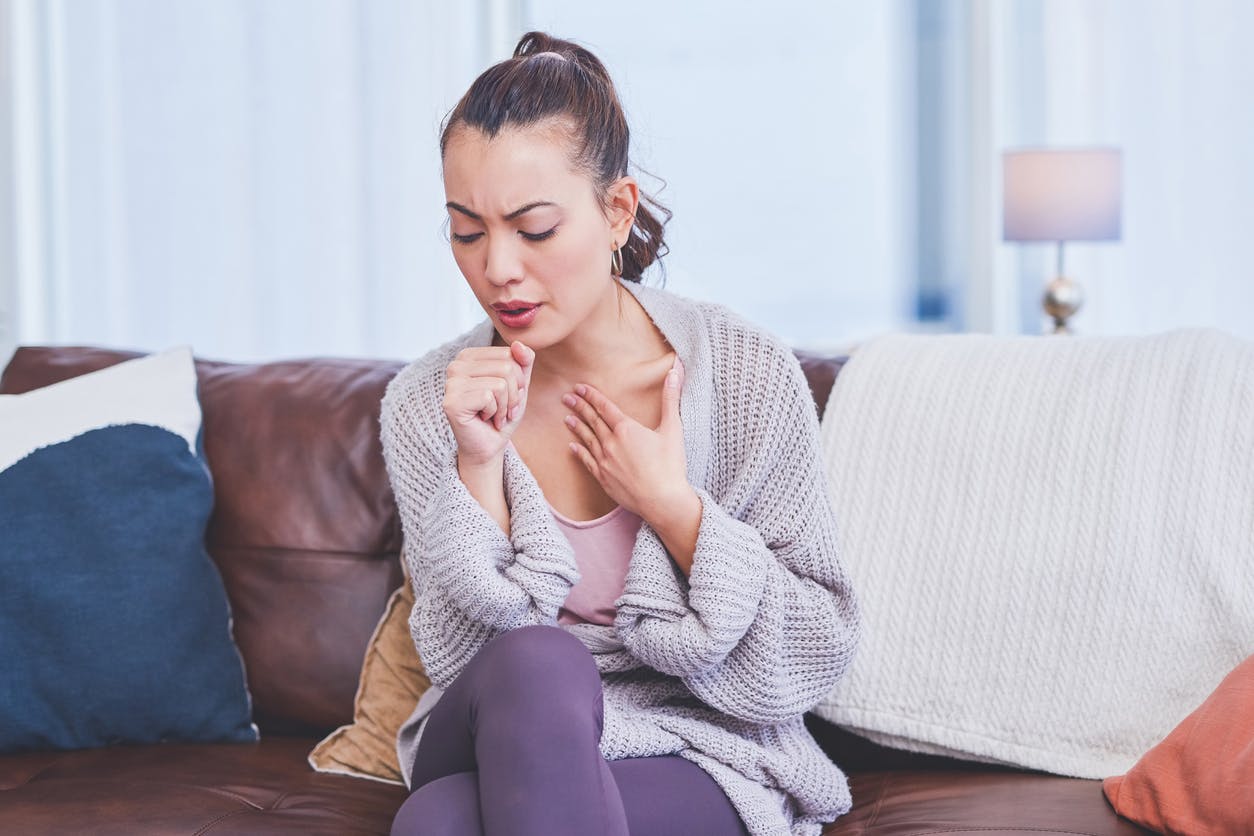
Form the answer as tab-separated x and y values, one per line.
718	667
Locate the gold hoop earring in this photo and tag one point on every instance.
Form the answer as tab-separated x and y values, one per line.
616	261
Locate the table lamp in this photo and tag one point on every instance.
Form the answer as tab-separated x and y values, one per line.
1061	195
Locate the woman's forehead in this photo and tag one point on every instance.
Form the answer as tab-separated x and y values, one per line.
517	166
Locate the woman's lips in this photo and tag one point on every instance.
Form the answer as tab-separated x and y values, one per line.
519	319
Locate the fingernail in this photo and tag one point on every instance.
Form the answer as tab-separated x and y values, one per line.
513	412
580	388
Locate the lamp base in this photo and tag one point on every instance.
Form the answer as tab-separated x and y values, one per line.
1062	298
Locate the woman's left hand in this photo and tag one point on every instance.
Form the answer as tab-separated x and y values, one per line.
641	469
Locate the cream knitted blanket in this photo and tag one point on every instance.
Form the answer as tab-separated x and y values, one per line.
1053	540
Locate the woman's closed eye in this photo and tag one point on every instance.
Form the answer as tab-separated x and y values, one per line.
538	236
530	236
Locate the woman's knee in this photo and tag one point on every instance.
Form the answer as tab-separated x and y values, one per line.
539	657
447	806
671	796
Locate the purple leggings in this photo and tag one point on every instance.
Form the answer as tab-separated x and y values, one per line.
512	748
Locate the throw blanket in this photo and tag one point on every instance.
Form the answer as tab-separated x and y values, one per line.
1052	538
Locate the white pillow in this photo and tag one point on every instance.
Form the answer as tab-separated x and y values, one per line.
157	389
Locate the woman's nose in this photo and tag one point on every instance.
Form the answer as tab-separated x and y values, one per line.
504	262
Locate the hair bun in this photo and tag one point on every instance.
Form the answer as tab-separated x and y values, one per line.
534	43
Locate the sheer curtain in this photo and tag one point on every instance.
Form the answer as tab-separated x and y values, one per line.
254	179
1170	83
262	180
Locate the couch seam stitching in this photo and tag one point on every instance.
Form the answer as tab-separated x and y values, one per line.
35	775
274	805
217	791
204	828
879	804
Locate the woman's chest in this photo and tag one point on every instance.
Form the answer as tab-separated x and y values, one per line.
543	442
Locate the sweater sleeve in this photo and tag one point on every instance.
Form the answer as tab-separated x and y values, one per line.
471	581
770	621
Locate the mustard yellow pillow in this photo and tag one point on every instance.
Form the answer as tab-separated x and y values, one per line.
392	679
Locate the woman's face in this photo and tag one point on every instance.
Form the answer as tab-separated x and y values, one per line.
526	227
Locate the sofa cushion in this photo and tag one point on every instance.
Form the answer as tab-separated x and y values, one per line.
304	529
206	788
1200	779
114	624
268	788
392	679
977	802
1051	538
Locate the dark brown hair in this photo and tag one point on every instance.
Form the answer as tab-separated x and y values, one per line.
532	87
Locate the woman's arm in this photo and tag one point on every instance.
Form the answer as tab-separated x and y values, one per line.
471	580
769	621
677	526
486	484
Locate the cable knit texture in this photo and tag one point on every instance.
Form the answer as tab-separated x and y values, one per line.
718	667
1057	533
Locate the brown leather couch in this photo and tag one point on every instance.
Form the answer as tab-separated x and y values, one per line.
306	536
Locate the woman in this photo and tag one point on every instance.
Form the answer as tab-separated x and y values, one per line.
615	521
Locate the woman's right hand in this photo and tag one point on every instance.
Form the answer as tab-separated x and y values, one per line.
485	395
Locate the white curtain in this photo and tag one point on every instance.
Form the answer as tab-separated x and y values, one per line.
1172	84
253	179
261	179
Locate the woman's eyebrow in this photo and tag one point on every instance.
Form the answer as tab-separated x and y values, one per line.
519	211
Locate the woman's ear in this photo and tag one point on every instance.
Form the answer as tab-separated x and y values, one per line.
624	197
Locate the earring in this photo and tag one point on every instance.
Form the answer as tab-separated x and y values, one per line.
616	261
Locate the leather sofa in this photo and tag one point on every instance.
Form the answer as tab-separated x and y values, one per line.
306	536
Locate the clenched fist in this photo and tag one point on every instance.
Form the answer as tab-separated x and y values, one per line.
485	395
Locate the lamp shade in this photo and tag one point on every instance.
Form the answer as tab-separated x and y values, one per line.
1061	195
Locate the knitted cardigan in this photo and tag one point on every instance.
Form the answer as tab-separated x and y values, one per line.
717	667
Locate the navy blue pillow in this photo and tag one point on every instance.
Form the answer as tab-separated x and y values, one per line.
114	622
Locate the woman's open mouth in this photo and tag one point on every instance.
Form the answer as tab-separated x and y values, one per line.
520	317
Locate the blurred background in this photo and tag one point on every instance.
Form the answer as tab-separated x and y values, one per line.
260	178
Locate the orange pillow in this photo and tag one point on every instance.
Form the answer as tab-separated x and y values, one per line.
1199	778
392	679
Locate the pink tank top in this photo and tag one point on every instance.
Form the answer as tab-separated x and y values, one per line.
602	553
